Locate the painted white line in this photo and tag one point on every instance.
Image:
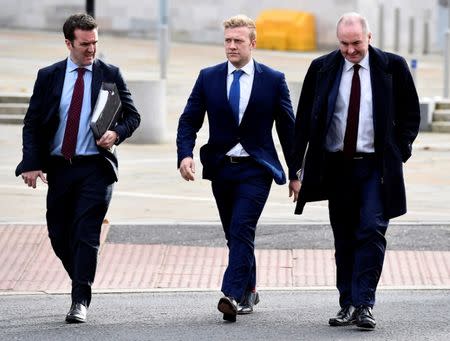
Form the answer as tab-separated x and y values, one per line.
187	290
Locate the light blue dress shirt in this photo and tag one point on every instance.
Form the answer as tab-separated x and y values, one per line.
85	141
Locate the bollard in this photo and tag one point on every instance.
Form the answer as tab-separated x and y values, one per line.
149	96
414	69
426	113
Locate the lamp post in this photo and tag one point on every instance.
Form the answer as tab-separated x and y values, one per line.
447	56
90	7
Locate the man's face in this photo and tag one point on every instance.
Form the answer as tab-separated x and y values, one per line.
353	42
82	51
238	46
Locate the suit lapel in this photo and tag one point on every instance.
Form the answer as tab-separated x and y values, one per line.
329	79
97	77
381	82
60	73
257	88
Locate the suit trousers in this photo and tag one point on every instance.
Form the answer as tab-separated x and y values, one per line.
241	191
79	193
359	227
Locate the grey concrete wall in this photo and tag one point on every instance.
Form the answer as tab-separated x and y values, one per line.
200	20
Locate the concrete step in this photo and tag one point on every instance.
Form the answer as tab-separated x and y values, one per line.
441	115
12	97
440	127
443	104
11	119
13	108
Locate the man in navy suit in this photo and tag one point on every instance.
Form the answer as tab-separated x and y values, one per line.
60	149
357	118
243	99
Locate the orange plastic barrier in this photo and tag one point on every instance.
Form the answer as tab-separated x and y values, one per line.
286	30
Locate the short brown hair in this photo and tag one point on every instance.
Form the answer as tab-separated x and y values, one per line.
80	21
241	20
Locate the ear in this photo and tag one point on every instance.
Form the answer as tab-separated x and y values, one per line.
253	43
369	37
68	44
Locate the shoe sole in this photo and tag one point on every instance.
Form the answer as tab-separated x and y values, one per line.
73	319
226	307
334	323
366	326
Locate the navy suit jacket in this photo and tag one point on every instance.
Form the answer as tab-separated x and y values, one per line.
269	102
42	117
396	116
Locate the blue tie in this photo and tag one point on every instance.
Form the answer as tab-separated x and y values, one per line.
235	93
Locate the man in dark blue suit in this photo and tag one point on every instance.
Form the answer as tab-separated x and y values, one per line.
357	118
243	99
60	149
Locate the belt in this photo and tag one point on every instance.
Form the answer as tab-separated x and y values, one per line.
77	159
356	156
237	159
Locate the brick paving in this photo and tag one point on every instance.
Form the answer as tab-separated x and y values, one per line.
28	264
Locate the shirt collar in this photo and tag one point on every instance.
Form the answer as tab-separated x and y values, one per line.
364	63
71	66
248	69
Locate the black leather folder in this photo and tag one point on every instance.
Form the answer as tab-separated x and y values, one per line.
107	110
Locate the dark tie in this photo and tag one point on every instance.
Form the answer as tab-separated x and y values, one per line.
235	93
351	132
73	117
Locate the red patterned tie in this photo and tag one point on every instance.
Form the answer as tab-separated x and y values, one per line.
73	117
351	132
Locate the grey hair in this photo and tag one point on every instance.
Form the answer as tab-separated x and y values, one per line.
351	17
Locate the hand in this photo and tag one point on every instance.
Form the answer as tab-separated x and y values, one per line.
187	169
30	178
294	188
107	140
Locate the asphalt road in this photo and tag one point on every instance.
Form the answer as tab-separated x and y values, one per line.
281	315
399	236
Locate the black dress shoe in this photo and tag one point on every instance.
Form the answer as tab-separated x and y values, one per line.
246	306
364	318
344	317
228	306
77	313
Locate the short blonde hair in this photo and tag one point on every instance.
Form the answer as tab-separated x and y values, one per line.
241	20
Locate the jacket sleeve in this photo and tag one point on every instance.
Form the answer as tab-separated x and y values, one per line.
303	116
191	120
284	123
407	108
130	119
32	144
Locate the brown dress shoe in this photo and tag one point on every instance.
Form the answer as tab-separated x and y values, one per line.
344	317
228	306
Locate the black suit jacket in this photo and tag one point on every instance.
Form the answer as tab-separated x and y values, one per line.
396	115
42	118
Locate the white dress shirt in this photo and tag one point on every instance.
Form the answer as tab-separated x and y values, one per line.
245	84
336	132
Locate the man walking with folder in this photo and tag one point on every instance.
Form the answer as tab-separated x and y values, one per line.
60	149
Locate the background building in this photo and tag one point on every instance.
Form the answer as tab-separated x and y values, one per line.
200	20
